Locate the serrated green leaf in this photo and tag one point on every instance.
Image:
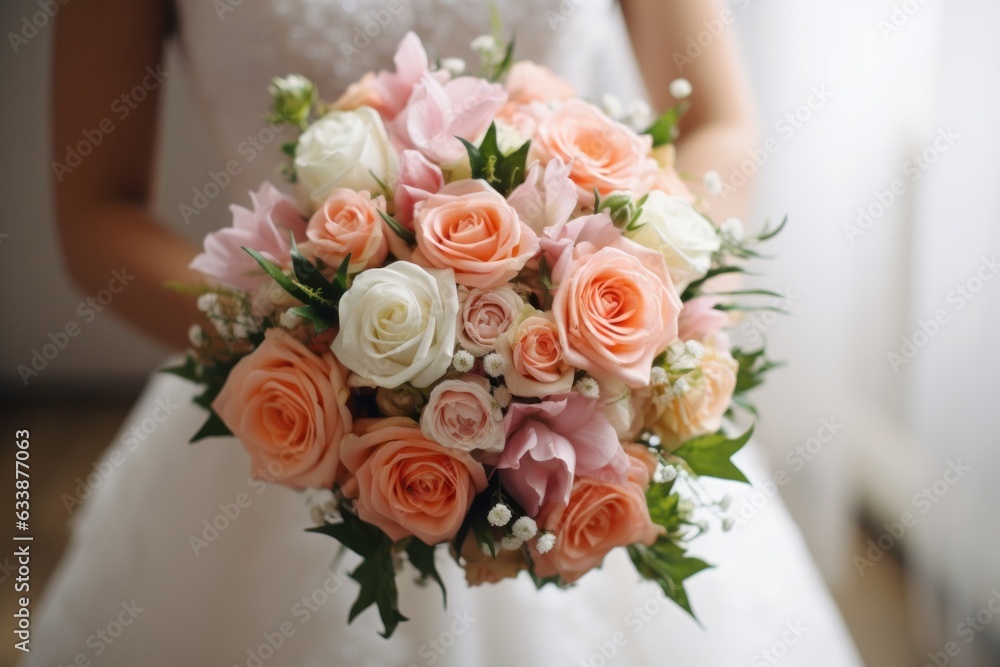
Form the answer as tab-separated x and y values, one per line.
710	454
377	579
667	565
359	536
213	427
422	557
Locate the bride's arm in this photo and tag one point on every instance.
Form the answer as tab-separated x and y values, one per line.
720	126
102	51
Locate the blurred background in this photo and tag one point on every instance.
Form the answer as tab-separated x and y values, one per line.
879	137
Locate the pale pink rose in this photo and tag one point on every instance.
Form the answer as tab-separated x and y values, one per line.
418	179
524	118
668	181
288	408
677	419
598	517
361	93
485	314
529	82
701	321
348	223
624	406
481	568
535	364
602	153
406	484
461	414
547	197
470	228
615	315
642	462
267	228
550	444
437	113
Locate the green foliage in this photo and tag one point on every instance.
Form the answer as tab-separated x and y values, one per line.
710	454
422	557
667	564
398	228
664	130
753	366
212	378
502	172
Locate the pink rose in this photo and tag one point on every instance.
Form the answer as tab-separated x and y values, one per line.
547	197
701	321
598	517
470	228
266	229
485	314
461	414
535	366
348	223
406	484
418	179
528	82
393	90
602	153
288	407
668	181
615	315
699	410
624	407
643	463
549	444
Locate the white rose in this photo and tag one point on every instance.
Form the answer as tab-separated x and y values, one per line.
343	149
671	226
397	324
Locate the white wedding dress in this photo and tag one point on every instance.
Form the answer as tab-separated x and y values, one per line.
135	588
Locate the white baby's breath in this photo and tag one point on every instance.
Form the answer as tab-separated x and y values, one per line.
681	88
494	365
545	542
524	528
713	182
499	516
587	387
463	361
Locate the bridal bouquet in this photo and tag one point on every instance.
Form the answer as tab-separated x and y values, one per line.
484	323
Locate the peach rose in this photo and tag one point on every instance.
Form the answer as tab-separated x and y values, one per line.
643	463
485	314
461	414
361	93
529	82
536	366
469	227
407	485
348	223
698	410
288	407
482	568
598	517
602	152
614	315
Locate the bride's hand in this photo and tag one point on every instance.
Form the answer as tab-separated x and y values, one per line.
102	51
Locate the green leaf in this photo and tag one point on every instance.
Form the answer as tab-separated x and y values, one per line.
508	59
663	504
359	536
319	320
189	370
667	565
422	557
709	455
487	162
693	289
753	366
397	227
768	235
279	276
664	129
214	427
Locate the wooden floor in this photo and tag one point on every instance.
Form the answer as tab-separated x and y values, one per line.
66	440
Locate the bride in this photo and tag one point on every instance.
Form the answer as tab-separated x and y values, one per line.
180	558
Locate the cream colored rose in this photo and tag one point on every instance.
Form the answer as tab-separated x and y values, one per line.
345	149
699	409
461	414
397	324
685	238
